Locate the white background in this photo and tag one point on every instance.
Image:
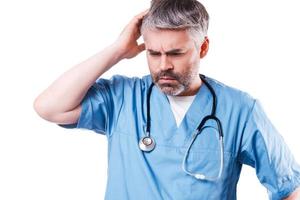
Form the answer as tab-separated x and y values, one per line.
254	46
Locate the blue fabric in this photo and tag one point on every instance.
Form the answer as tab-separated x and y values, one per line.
117	108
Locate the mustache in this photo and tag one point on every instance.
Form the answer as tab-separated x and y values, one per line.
166	73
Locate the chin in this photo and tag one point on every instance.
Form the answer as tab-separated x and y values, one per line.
172	91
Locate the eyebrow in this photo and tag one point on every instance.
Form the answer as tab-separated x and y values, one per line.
168	52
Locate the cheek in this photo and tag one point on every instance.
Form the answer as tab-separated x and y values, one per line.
194	57
193	60
188	65
185	62
189	59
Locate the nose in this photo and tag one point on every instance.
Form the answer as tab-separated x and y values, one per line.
165	63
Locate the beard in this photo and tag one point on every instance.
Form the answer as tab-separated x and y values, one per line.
179	84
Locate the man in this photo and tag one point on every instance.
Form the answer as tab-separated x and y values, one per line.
155	151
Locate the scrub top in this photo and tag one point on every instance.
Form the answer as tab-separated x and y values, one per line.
117	108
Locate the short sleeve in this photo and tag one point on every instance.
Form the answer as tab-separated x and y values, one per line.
264	149
100	105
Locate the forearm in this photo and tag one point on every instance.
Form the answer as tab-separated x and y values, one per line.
295	195
65	93
60	101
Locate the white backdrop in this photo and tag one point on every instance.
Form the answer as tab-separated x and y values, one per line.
254	46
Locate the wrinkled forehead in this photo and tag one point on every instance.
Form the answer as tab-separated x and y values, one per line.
164	39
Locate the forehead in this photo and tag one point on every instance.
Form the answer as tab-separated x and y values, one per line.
165	39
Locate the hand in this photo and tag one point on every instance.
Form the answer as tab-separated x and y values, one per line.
127	42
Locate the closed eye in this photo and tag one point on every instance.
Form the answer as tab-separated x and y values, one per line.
168	54
175	54
154	54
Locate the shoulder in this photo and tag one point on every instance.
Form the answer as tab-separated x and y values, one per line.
231	96
121	82
115	79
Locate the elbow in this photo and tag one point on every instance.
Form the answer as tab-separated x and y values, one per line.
42	109
49	112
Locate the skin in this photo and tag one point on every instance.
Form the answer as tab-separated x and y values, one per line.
173	60
60	103
294	196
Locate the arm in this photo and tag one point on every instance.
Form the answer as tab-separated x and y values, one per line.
265	149
60	102
295	195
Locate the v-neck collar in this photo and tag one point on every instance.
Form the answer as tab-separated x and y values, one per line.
178	101
163	123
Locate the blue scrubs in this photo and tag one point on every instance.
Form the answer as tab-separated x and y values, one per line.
117	108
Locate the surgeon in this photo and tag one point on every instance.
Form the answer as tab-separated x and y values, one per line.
176	133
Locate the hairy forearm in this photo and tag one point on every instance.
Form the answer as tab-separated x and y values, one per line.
66	92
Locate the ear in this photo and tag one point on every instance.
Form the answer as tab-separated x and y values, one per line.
204	47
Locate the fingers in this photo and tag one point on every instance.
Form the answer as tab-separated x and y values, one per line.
142	14
133	27
139	17
141	47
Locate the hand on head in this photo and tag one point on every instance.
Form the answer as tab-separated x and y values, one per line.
127	40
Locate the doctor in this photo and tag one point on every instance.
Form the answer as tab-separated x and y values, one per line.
173	134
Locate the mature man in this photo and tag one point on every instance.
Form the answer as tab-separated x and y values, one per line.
173	134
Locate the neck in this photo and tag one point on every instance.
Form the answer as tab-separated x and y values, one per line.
193	89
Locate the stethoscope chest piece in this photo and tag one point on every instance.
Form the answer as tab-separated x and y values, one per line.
147	144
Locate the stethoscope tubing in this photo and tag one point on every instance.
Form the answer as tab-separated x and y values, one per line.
200	176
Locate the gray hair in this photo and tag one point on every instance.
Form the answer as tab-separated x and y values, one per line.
188	15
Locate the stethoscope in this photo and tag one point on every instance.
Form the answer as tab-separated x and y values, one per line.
147	142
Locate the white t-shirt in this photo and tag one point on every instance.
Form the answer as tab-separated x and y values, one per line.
180	105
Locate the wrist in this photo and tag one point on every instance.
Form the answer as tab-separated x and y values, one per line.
118	51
